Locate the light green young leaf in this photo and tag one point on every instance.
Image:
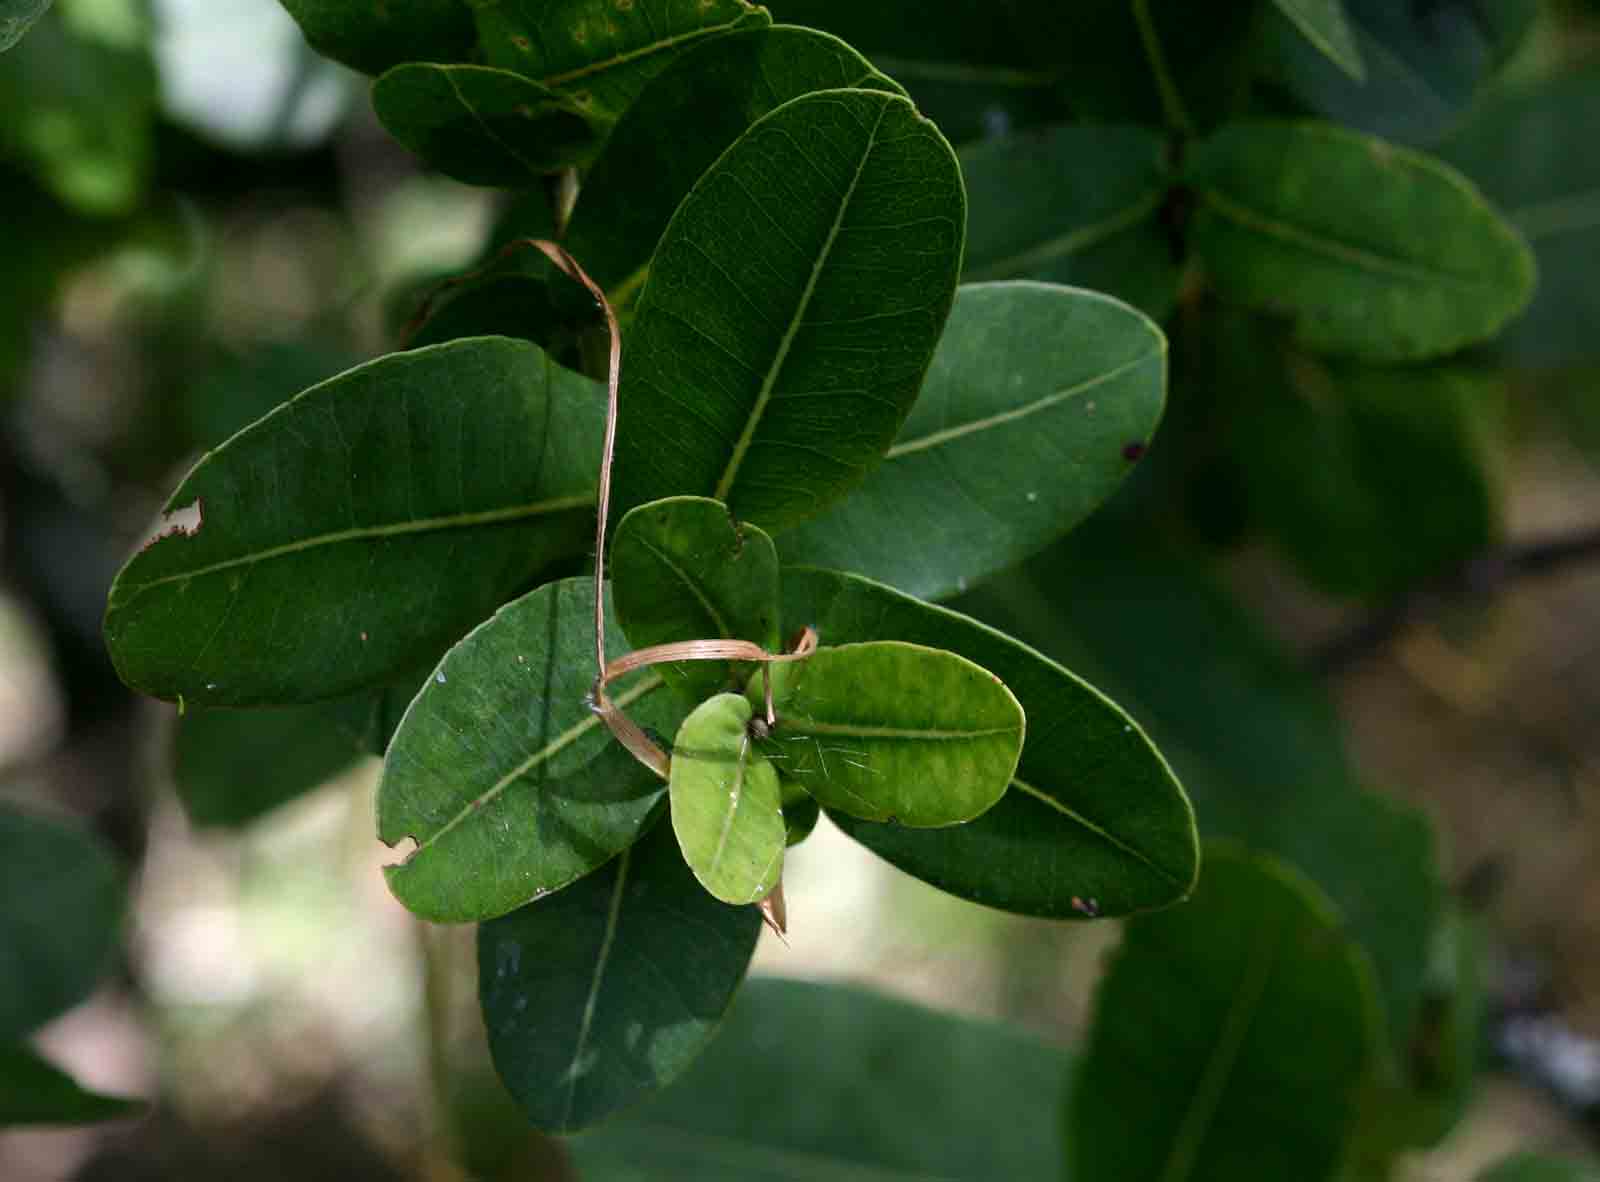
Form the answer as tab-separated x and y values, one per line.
1325	25
1375	251
16	17
685	570
597	996
792	309
892	731
602	55
484	126
373	37
726	807
510	785
360	527
1038	403
34	1092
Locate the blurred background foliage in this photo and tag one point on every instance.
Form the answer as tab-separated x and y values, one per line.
1357	605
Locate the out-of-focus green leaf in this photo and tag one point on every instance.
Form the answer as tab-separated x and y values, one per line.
1249	1009
889	731
16	17
683	569
1326	26
1093	823
358	528
1076	203
510	785
603	55
602	993
833	1084
1531	150
1037	404
374	36
684	120
786	325
1539	1167
484	126
726	807
1375	251
61	899
32	1092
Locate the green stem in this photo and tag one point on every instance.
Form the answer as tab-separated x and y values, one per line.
1171	101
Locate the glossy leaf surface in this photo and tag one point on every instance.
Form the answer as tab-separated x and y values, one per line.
1374	251
361	526
892	731
1191	1026
510	785
371	36
683	569
602	993
33	1092
1094	820
16	17
792	308
1325	25
1039	401
726	808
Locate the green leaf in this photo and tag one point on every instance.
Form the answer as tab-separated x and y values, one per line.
510	785
599	995
603	55
373	35
684	120
1075	203
1538	1167
726	807
892	731
685	570
1094	820
835	1084
1528	150
484	126
32	1092
234	766
1038	402
1326	26
800	815
792	309
1375	251
360	527
61	900
1247	1010
16	17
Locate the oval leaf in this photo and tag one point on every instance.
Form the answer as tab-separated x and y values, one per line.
360	527
34	1092
602	54
483	126
510	785
892	731
684	120
792	308
1038	402
1375	251
726	807
594	997
1191	1028
372	37
1093	823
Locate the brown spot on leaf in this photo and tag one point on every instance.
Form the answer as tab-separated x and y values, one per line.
1133	452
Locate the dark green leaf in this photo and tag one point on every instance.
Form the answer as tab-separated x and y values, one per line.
373	35
1076	203
484	126
603	55
685	570
32	1092
1038	402
1326	26
792	309
242	387
600	994
800	816
1095	820
16	17
684	120
890	731
61	900
355	530
233	766
726	806
1538	1167
1245	1011
832	1084
510	785
1375	251
1532	153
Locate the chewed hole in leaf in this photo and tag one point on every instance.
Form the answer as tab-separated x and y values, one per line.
185	521
406	849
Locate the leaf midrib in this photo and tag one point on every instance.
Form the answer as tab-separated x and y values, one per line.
449	73
735	797
1099	831
908	734
624	860
717	622
628	55
1062	246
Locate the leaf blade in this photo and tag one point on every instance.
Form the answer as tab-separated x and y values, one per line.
1324	24
373	38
